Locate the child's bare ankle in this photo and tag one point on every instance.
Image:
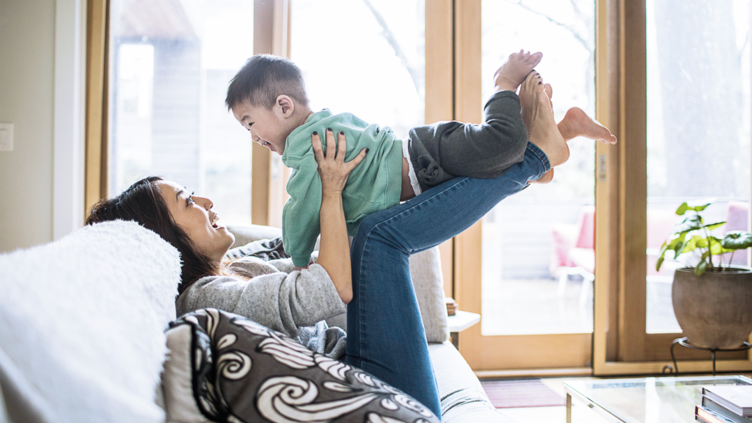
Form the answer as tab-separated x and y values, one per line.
505	85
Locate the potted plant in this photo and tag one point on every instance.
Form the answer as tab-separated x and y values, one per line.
712	301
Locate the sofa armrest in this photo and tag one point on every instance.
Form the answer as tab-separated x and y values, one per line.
462	396
249	233
20	401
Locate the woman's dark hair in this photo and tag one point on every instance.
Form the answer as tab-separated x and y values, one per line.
142	202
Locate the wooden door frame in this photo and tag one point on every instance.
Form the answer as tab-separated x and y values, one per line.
97	103
621	345
439	101
271	35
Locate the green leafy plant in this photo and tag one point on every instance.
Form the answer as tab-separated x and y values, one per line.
693	234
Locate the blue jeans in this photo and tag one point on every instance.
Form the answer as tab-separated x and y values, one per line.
385	335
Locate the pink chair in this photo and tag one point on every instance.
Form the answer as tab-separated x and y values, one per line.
737	215
573	251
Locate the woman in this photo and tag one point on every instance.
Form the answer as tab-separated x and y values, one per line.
381	303
278	298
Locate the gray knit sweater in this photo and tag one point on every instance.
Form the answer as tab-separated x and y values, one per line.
275	295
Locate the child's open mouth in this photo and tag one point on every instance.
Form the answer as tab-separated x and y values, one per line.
269	145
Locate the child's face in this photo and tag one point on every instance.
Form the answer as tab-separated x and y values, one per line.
268	127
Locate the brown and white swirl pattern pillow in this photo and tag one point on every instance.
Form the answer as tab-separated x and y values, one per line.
243	372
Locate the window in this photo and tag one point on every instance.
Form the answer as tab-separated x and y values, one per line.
171	63
537	277
363	57
698	128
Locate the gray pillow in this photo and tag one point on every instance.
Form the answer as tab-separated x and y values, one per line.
242	371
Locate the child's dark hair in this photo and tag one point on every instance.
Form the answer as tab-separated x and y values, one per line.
264	78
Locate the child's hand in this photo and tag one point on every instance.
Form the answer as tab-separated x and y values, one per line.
332	167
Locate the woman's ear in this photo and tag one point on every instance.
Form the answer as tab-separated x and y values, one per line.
285	106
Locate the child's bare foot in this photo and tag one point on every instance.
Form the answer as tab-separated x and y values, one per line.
538	118
511	74
577	123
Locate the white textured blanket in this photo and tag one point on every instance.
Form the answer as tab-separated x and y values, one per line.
82	320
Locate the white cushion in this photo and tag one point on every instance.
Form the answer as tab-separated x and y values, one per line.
425	270
82	320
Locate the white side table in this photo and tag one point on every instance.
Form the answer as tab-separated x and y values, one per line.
459	322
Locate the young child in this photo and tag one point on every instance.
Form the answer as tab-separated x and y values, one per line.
267	96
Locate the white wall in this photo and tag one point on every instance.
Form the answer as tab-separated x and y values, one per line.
27	67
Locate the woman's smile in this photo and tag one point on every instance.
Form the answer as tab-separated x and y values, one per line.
214	221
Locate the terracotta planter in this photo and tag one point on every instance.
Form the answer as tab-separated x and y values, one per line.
714	310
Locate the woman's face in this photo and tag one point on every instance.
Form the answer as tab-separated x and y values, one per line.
194	216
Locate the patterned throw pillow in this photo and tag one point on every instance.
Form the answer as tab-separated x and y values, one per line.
244	372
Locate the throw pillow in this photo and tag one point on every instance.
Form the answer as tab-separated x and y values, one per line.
242	371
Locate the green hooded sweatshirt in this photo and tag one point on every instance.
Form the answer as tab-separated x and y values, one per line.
375	184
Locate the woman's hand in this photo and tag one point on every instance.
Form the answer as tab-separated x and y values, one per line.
332	167
334	252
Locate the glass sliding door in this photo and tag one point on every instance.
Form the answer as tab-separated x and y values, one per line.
538	257
537	247
696	148
171	63
368	57
698	128
363	57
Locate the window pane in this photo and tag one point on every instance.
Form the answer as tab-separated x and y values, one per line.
363	57
171	64
698	127
538	245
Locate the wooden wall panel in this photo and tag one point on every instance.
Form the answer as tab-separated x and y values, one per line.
97	64
440	94
607	80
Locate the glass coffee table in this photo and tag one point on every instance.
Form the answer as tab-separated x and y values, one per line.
646	400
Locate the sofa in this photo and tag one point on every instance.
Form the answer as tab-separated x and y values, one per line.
82	330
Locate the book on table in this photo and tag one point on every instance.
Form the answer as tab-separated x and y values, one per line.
719	409
734	398
706	415
451	306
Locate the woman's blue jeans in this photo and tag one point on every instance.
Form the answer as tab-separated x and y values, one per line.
385	335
